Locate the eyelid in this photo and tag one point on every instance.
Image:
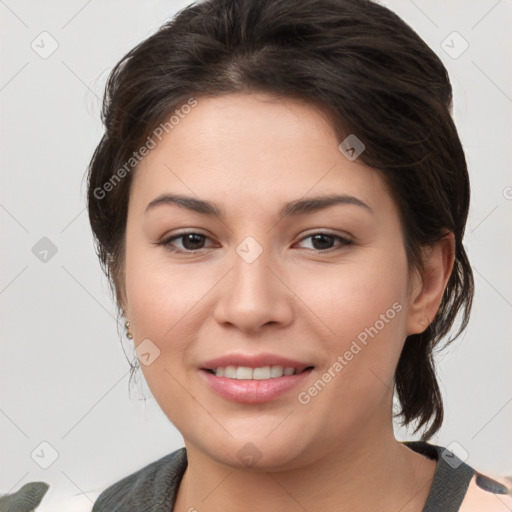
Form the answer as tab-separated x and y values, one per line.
166	241
328	232
344	239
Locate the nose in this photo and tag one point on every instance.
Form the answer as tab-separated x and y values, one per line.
254	295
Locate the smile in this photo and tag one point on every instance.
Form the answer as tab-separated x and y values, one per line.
253	386
261	373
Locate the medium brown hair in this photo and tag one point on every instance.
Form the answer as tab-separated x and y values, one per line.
354	58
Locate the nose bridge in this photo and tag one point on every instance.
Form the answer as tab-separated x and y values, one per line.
252	296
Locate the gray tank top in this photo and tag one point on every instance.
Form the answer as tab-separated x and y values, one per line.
451	478
154	487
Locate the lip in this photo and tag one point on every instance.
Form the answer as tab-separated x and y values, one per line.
253	391
254	361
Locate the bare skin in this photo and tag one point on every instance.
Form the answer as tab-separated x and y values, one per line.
478	499
251	154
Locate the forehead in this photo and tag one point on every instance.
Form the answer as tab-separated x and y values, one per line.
254	149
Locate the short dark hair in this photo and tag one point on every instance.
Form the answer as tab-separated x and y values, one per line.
356	60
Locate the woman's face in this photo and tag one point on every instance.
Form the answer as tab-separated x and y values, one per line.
324	287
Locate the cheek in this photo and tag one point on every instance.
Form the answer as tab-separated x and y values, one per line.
364	306
158	294
366	311
349	298
161	302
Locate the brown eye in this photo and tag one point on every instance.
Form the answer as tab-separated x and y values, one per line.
324	242
190	242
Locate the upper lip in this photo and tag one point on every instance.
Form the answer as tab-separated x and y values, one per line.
254	361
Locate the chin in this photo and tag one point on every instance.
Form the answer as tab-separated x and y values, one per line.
259	453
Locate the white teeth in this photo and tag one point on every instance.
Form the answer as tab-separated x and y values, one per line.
261	373
230	372
276	371
243	373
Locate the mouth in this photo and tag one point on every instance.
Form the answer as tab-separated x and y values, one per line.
254	379
258	373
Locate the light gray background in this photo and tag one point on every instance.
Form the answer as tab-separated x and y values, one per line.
64	377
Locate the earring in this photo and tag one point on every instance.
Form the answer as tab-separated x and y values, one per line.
129	334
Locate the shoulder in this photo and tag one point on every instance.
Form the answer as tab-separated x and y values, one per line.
460	486
150	488
486	493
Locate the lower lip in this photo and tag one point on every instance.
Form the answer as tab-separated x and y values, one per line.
253	391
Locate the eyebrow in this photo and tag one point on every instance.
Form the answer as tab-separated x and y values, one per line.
297	207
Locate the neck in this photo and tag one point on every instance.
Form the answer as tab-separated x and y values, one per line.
370	471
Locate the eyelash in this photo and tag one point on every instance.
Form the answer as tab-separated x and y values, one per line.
166	243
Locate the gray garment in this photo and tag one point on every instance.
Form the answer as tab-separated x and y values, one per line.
154	487
26	499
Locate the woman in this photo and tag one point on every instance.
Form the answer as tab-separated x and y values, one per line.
280	200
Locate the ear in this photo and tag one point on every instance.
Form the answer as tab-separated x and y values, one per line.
429	284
